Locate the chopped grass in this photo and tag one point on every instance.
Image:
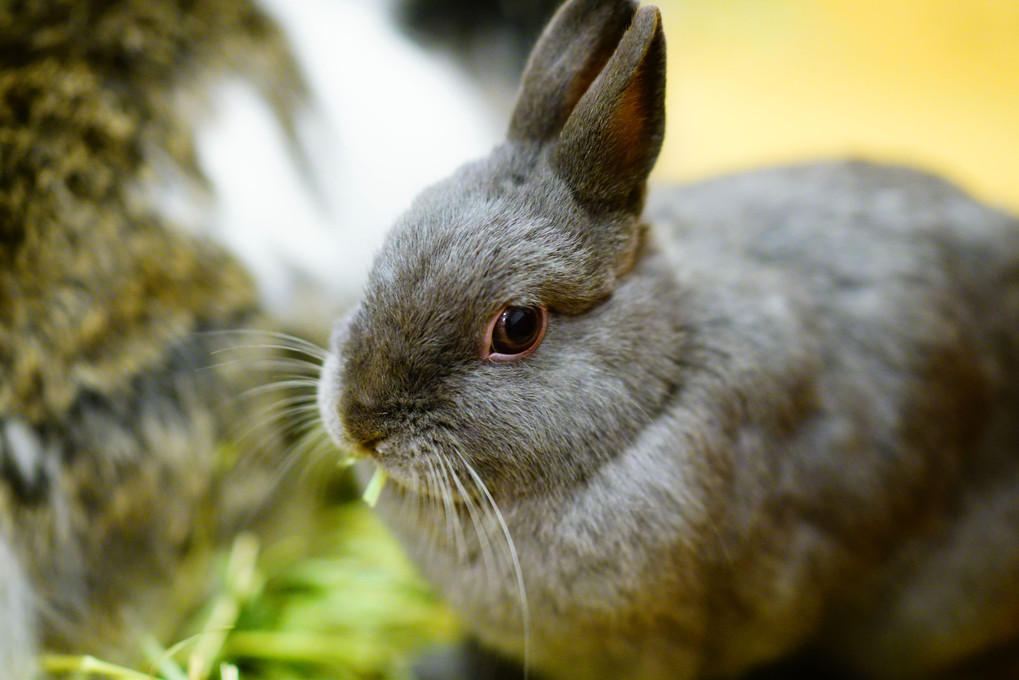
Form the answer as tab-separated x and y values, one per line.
352	607
374	487
89	666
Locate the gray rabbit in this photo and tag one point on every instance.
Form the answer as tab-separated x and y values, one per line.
769	415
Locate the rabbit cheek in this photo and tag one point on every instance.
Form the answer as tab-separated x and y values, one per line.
330	386
331	382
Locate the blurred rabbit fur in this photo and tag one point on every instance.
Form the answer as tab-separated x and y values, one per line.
117	467
770	414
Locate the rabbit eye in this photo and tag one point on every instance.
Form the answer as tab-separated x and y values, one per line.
514	332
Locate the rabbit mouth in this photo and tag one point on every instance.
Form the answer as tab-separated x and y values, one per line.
433	479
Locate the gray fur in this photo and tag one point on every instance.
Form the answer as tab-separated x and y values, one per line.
612	138
123	472
782	418
573	50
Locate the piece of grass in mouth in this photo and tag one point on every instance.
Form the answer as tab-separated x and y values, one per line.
374	487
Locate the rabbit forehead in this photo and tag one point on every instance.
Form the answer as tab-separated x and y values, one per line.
497	231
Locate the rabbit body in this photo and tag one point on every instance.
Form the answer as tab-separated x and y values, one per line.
773	413
828	444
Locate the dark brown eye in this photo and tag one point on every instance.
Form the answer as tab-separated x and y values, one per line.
514	332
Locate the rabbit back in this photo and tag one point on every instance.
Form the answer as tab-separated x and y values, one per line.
838	445
901	450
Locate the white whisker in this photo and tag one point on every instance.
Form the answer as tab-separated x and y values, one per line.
429	527
441	502
294	400
284	340
310	440
273	415
459	536
518	570
264	347
266	364
478	520
291	383
449	510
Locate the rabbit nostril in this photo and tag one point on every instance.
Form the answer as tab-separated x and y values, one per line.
362	423
372	444
368	440
364	436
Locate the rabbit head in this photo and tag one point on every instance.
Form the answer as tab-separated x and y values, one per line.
501	327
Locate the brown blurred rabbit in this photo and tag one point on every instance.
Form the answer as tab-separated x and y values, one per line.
119	459
771	414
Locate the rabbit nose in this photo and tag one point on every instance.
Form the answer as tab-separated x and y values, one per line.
365	435
362	424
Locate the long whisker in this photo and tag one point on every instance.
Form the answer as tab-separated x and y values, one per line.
289	383
431	477
271	416
518	570
477	519
277	412
459	535
294	400
256	354
297	451
285	340
312	440
271	346
441	500
449	510
299	366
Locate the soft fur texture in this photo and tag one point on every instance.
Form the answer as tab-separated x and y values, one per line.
773	414
119	464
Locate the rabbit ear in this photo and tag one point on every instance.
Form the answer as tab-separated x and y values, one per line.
611	140
570	53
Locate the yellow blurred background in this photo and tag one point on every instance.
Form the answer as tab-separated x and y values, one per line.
931	83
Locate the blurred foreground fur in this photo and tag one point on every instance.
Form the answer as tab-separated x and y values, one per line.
120	464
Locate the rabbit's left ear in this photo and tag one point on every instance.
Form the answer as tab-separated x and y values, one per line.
611	139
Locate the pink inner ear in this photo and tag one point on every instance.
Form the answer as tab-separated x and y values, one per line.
486	340
629	121
610	142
